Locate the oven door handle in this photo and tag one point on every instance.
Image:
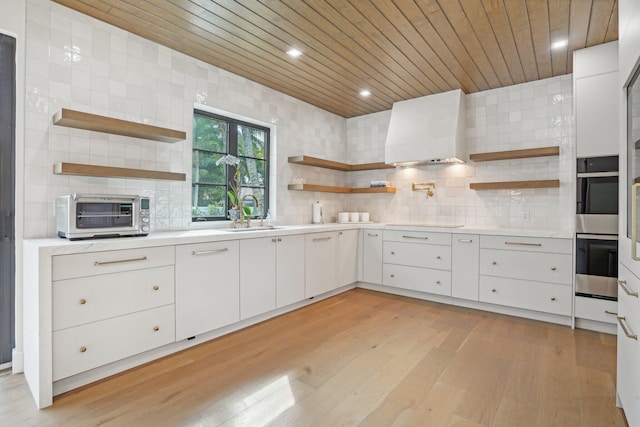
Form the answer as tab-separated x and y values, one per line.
634	221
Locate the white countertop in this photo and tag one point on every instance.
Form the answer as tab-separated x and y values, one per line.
58	246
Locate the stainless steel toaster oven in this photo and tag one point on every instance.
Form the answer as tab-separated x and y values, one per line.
86	216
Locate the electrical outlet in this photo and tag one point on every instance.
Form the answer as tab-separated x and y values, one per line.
525	215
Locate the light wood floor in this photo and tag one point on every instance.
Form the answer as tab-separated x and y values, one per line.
360	358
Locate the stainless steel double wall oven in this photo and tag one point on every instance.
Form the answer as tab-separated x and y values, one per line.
597	227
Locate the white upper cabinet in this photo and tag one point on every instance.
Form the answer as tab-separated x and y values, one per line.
596	100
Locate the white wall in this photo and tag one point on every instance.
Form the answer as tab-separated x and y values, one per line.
78	62
528	115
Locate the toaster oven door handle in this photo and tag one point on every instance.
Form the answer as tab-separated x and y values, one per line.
119	261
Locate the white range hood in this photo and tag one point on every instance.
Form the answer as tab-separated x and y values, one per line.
427	130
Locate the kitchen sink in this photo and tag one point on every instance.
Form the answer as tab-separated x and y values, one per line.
245	229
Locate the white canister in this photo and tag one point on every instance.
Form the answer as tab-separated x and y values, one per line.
316	215
343	216
364	216
354	216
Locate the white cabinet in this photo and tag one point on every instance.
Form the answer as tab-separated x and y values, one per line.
596	100
290	268
526	272
628	375
207	287
347	257
599	310
417	260
257	276
110	305
465	258
372	256
320	263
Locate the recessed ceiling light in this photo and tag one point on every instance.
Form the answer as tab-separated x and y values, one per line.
559	44
294	53
365	93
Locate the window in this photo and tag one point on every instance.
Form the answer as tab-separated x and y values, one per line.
215	136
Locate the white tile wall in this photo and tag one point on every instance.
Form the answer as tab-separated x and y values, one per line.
77	62
529	115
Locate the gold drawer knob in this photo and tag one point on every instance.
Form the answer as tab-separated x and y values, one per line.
393	275
156	287
553	298
83	349
273	240
438	257
437	282
393	253
553	269
493	290
83	301
494	263
156	328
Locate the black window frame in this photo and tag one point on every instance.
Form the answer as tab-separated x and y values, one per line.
232	148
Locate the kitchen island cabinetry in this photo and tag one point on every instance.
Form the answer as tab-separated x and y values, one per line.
207	287
628	375
110	305
372	256
525	272
419	261
347	257
321	252
465	262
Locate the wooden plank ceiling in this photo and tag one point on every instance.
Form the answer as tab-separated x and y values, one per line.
397	49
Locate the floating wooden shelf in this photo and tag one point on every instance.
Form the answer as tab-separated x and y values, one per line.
63	168
94	122
329	164
506	185
515	154
332	189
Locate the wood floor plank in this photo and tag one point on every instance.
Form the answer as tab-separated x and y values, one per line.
359	358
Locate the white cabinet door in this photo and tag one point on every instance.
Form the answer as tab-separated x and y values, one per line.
257	276
207	287
597	115
628	376
289	269
465	264
347	257
320	263
372	256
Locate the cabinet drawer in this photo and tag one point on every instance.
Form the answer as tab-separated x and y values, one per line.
89	299
537	296
628	289
528	244
92	263
600	310
554	268
95	344
417	255
417	279
417	237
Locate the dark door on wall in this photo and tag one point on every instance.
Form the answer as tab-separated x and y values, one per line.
7	196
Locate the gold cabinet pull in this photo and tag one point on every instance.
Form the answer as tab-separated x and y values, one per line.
156	328
493	290
437	282
119	261
273	240
553	269
83	301
372	234
610	312
494	263
279	239
625	288
212	251
415	237
465	240
622	320
322	239
340	233
156	287
392	275
393	253
553	298
83	349
522	244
